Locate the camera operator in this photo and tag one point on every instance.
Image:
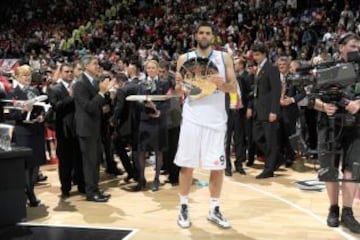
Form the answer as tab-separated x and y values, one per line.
347	142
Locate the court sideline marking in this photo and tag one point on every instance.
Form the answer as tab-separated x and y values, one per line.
338	230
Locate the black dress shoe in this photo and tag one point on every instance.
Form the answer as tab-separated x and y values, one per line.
128	178
156	185
228	173
278	164
81	190
105	194
34	203
97	198
41	178
288	163
174	184
241	171
115	172
265	174
250	163
140	186
65	195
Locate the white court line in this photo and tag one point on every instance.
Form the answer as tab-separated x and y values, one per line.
132	230
291	204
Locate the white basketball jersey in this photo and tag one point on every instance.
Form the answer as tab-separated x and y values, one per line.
208	111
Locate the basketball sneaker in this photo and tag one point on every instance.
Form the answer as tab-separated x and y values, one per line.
183	220
216	217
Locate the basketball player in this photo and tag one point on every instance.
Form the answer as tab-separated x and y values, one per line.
203	129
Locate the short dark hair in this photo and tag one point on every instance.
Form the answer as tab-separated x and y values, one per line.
346	37
260	47
204	24
63	65
164	64
121	77
103	76
106	65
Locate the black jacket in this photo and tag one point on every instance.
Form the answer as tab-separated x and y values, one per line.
125	116
88	108
64	107
268	89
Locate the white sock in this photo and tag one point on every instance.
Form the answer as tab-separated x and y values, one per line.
184	200
214	202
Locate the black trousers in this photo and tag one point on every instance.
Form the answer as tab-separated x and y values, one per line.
235	132
266	139
250	144
119	145
91	152
286	129
311	125
31	174
109	155
70	163
169	155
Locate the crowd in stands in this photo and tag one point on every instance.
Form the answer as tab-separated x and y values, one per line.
163	29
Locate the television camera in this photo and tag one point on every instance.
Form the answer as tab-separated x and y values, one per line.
337	83
330	81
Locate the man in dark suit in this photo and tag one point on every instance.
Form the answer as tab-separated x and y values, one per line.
89	99
107	130
173	124
289	110
248	104
126	121
236	121
68	149
267	90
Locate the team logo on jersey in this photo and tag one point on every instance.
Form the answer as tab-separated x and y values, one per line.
216	60
220	161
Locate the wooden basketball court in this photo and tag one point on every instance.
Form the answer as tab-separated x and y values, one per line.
272	208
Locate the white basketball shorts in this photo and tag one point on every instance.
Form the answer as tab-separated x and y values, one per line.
200	146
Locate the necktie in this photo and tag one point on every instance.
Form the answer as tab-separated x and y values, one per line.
95	83
239	102
283	86
256	81
153	86
29	94
258	69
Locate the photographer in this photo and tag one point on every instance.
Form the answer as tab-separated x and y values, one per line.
346	141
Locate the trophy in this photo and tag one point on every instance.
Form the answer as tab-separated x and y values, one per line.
34	101
197	73
6	132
